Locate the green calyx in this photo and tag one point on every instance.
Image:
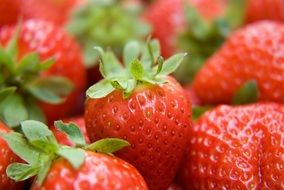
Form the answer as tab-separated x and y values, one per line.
38	147
21	85
142	65
106	23
246	94
202	37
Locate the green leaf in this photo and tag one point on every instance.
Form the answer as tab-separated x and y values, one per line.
160	62
34	111
100	89
235	13
46	64
72	131
75	156
171	64
51	90
12	46
248	93
131	52
131	84
111	66
7	61
45	164
136	69
199	111
108	145
13	110
150	54
20	146
35	130
4	93
29	63
21	172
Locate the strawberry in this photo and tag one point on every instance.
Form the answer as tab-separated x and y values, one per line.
55	11
196	26
40	62
191	96
265	9
144	106
249	54
236	148
62	167
7	157
63	138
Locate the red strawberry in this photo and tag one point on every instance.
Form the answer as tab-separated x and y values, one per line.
237	148
7	157
63	167
55	11
265	9
252	53
191	96
45	40
135	104
99	171
63	138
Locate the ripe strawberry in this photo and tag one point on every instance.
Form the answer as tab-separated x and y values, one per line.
265	9
196	26
252	53
7	157
32	42
135	103
191	96
99	171
55	11
62	167
63	138
236	148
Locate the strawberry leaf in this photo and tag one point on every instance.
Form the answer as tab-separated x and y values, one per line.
7	61
72	131
21	147
46	64
100	89
21	172
171	64
131	52
28	63
198	111
75	156
45	164
4	93
111	65
136	69
51	90
108	145
150	54
13	111
34	111
248	93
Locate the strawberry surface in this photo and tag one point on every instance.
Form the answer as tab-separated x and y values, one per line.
236	148
255	52
99	171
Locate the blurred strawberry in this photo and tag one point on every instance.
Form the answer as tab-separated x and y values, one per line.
41	68
251	58
265	9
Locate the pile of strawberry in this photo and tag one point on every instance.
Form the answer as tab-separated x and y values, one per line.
96	94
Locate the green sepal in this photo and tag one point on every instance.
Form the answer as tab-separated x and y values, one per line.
72	131
108	145
34	111
21	172
149	69
100	89
247	93
13	110
45	164
74	156
51	90
28	63
5	92
6	61
20	146
131	52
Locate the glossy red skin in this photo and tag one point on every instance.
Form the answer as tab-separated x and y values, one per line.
99	172
265	9
62	137
168	20
7	157
154	120
175	186
55	11
48	41
254	52
236	148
